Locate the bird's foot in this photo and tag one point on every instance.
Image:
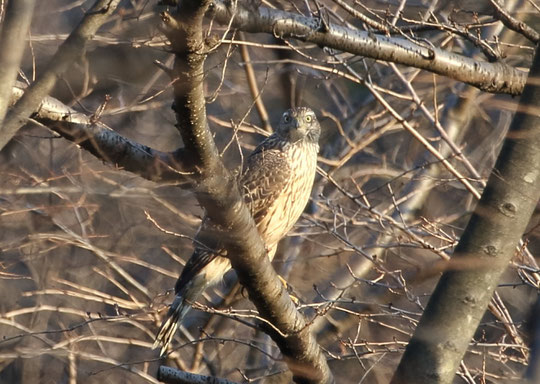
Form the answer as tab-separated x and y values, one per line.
290	290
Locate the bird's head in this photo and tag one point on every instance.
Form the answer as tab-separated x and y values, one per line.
299	124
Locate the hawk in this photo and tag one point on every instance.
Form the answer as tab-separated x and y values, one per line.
276	184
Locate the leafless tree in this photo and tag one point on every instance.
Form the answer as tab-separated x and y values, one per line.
100	195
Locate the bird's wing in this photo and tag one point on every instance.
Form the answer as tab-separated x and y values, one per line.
206	250
266	175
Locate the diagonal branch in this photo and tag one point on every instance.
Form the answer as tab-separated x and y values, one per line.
108	145
70	51
516	25
488	243
173	376
215	187
489	77
14	29
218	192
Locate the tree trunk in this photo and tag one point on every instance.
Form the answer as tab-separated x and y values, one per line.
483	253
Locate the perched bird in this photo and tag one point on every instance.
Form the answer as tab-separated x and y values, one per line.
276	184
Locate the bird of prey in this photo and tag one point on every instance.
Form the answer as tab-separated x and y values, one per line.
276	184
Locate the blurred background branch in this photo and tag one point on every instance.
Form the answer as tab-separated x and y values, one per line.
89	252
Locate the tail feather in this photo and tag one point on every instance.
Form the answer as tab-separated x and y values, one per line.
179	308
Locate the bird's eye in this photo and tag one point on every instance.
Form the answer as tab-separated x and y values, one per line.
308	119
287	118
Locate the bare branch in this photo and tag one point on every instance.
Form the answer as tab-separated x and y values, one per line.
487	245
89	252
218	193
514	24
533	370
489	77
174	376
108	145
14	30
363	18
253	87
66	55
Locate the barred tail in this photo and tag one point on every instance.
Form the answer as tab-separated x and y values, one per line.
179	308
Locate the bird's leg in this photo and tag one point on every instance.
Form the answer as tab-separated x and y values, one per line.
271	251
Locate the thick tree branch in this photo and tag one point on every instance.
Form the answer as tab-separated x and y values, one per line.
108	145
173	376
489	77
514	24
482	255
218	193
66	55
14	30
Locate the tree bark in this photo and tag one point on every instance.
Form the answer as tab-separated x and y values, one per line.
490	77
69	51
12	44
173	376
483	253
217	191
107	145
215	187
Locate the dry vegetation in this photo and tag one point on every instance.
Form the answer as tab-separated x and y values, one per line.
89	253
